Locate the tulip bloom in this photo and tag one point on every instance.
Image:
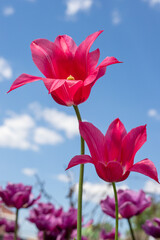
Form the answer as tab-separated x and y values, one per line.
152	227
70	71
130	203
18	196
108	235
113	154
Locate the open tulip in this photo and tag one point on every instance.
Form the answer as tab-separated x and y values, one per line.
152	227
70	71
113	154
130	203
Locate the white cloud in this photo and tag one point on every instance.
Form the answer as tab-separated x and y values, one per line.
57	119
15	132
153	113
8	11
47	136
74	6
153	3
151	187
95	192
29	171
64	177
24	131
5	69
116	18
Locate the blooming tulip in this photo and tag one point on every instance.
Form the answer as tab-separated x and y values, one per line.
152	227
107	235
70	71
18	196
130	203
113	154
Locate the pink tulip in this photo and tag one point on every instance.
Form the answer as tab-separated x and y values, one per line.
113	154
70	71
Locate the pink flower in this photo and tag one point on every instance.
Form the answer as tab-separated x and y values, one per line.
130	203
108	235
70	71
113	154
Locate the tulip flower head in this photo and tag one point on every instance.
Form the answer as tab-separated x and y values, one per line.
152	227
113	154
18	196
130	203
108	235
70	71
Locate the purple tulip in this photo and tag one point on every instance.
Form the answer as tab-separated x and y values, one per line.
18	196
9	226
152	227
130	203
108	235
9	236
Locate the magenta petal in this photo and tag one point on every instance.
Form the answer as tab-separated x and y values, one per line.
145	167
132	142
42	55
91	79
113	140
94	139
22	80
79	159
53	84
112	172
108	61
66	44
93	58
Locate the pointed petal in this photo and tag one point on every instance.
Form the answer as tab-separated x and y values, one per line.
132	142
66	44
94	139
91	78
22	80
53	84
79	159
112	172
42	55
81	55
108	61
113	140
93	58
145	167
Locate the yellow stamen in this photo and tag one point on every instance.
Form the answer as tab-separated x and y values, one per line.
70	77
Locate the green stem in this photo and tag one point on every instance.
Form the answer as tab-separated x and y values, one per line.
16	226
80	191
44	235
116	209
131	229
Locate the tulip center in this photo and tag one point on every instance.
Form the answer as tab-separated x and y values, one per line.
70	77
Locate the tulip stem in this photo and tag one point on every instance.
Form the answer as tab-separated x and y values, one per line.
16	225
116	209
80	190
131	229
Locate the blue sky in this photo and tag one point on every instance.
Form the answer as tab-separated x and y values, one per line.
37	134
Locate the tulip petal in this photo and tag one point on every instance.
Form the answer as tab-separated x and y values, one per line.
42	55
94	139
22	80
91	79
113	140
93	58
79	159
132	142
108	61
66	43
112	172
145	167
128	210
81	55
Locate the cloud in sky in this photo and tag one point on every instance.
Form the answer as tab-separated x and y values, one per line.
65	178
153	3
74	6
8	11
152	187
116	18
95	192
5	69
29	171
23	131
153	113
57	119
